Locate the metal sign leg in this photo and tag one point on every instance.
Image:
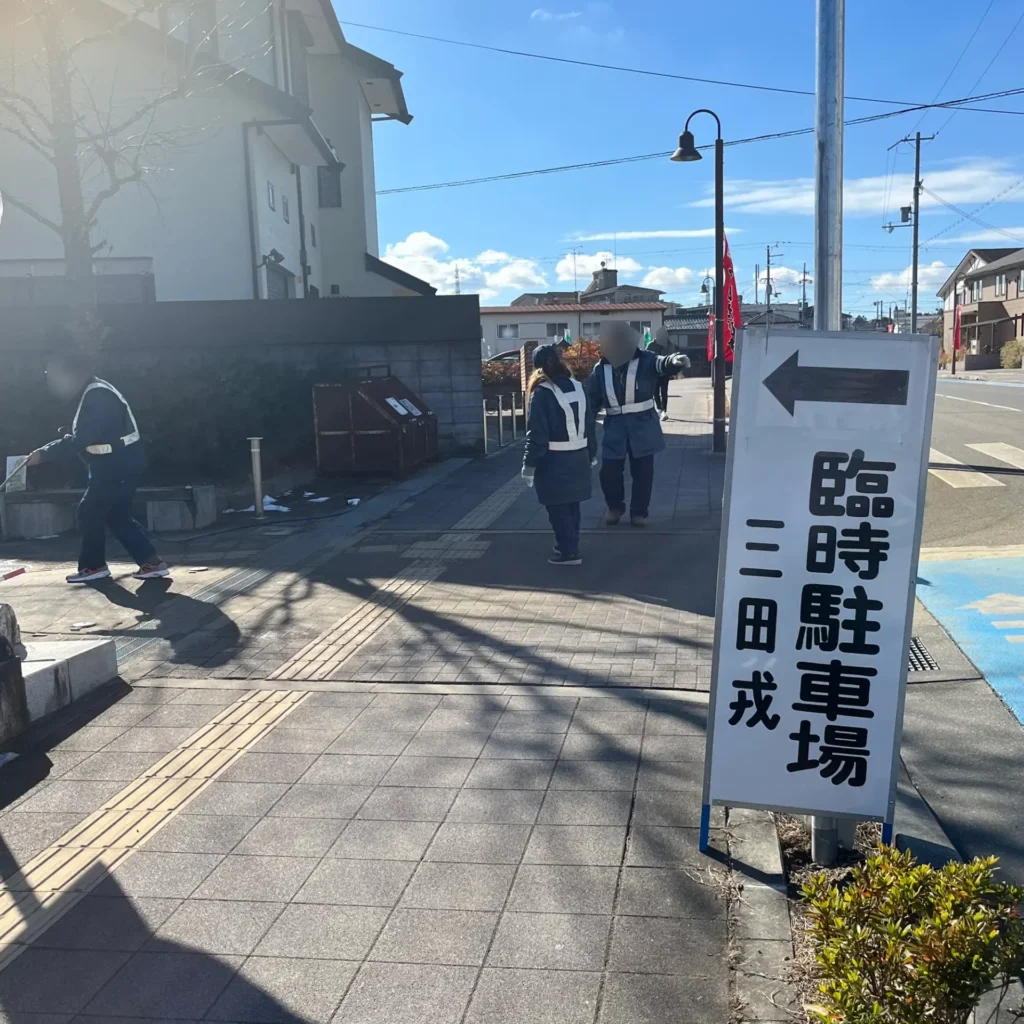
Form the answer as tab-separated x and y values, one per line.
501	421
705	828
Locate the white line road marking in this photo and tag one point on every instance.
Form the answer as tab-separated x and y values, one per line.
974	401
1001	451
959	477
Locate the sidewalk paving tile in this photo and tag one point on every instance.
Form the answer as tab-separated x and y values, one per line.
509	996
550	941
323	932
239	877
216	926
407	994
455	937
367	883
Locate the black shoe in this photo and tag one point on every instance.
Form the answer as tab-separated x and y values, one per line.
636	520
613	517
565	560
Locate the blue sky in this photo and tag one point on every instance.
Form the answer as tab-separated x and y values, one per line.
478	113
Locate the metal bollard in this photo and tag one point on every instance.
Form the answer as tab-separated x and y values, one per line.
257	476
514	426
485	427
501	421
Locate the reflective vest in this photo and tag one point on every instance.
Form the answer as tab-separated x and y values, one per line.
130	438
632	405
577	432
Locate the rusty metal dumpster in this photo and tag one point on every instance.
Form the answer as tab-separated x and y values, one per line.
372	423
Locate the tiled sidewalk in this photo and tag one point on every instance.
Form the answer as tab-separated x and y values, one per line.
391	859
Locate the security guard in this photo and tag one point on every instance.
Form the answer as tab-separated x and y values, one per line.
560	449
624	383
104	433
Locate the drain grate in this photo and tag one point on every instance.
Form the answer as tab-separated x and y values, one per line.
920	658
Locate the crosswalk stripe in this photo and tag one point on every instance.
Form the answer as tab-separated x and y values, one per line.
959	477
1003	452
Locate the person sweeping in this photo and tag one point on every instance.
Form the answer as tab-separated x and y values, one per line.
624	384
560	449
104	433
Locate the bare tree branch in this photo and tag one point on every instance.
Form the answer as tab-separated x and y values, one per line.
28	140
30	211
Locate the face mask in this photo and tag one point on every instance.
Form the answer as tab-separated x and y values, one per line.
618	342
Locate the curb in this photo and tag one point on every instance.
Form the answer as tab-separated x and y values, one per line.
759	928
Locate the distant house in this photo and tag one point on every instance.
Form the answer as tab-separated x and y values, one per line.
988	286
507	327
604	288
270	193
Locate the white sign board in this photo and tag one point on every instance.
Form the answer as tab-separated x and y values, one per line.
825	486
412	408
397	406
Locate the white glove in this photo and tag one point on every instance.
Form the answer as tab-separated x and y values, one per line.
593	462
528	472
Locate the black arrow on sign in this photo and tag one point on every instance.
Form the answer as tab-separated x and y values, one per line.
791	383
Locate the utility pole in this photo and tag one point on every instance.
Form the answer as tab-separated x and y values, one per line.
458	285
803	295
757	280
829	75
912	215
768	283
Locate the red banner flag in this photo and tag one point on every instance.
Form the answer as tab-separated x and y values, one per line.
733	315
956	329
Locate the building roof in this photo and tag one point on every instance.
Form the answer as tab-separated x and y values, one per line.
580	307
398	276
687	322
1014	258
987	256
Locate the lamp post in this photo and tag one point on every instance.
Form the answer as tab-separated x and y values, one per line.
687	153
707	287
956	311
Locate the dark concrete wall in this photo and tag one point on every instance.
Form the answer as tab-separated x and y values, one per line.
188	354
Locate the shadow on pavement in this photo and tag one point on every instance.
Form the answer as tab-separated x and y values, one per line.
101	954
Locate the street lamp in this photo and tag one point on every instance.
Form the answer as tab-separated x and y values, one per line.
688	153
704	289
963	280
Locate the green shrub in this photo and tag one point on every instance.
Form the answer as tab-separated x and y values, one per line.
1010	355
903	943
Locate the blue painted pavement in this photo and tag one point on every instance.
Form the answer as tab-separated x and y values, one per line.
980	603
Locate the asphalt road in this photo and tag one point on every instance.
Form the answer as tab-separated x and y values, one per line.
978	498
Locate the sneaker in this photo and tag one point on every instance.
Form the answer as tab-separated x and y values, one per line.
636	520
88	575
613	517
565	560
664	416
151	571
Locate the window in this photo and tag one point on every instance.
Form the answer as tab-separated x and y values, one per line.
976	290
271	196
285	212
1000	285
328	183
1020	284
590	328
557	330
312	234
640	325
508	332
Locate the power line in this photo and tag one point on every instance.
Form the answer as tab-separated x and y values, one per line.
971	217
967	216
512	175
637	71
987	67
963	52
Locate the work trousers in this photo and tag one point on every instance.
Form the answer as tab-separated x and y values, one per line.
565	521
613	483
661	395
108	503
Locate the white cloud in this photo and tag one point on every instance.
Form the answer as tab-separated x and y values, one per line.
1004	238
667	279
487	275
585	265
609	236
975	181
543	14
929	278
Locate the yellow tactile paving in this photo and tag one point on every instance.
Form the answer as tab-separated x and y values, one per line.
52	882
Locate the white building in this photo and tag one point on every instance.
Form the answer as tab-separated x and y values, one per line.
506	327
262	178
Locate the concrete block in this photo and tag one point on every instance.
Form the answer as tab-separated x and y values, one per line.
31	520
167	516
204	498
13	706
58	672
